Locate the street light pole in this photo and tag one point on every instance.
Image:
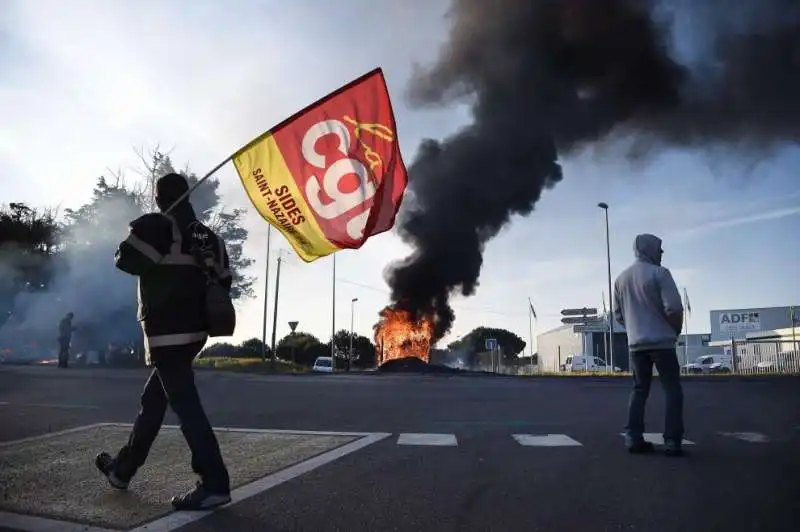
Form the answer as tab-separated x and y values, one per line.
352	312
611	319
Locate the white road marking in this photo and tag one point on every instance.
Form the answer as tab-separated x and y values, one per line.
30	523
546	440
177	520
751	437
657	438
51	434
436	440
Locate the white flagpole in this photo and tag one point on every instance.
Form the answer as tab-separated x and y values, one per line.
686	312
333	315
530	330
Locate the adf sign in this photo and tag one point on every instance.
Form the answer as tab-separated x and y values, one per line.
733	322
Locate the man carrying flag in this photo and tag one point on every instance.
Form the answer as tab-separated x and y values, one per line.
328	178
164	251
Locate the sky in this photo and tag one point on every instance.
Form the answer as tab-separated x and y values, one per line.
85	83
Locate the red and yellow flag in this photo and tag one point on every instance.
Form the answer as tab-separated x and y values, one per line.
331	176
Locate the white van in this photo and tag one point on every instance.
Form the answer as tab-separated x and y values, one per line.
710	364
585	363
323	365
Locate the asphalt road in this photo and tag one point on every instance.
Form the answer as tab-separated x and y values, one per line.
487	480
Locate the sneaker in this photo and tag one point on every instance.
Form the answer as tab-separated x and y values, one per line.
105	464
673	449
641	447
200	498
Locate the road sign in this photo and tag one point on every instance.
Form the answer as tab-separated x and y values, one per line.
590	328
293	325
491	344
585	311
581	319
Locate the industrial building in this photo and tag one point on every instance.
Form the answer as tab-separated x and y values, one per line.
758	338
752	333
736	324
554	346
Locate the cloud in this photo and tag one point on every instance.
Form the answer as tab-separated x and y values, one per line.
726	223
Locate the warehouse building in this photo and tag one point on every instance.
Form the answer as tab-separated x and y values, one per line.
730	326
554	346
758	338
736	324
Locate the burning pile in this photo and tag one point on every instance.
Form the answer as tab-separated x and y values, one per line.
400	334
547	79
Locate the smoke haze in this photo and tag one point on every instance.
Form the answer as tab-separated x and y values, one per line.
85	282
546	78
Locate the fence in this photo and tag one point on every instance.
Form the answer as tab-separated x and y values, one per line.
779	357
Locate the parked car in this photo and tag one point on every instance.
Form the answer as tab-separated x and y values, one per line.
323	365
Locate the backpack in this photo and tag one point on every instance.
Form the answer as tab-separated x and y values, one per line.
219	310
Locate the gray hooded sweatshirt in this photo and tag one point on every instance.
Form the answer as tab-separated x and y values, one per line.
643	296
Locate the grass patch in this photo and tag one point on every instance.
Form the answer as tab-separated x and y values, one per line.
248	365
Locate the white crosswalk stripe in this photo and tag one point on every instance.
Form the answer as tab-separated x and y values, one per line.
657	438
434	440
546	440
425	439
750	437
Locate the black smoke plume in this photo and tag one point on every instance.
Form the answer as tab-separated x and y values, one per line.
546	78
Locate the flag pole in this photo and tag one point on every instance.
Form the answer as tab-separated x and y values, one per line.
200	182
686	312
530	329
333	315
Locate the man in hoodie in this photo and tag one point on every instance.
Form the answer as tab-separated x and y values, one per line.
163	250
649	305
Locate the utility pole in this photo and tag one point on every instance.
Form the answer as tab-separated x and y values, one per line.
604	206
266	301
275	308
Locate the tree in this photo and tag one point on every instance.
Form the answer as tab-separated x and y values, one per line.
301	347
510	344
227	223
28	247
363	348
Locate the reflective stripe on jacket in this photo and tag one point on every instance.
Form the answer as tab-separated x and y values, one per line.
159	251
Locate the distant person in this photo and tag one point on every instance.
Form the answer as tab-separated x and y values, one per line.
649	306
164	251
65	330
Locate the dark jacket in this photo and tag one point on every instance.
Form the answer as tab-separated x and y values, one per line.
65	329
160	251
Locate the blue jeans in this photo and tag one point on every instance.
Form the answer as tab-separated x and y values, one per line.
669	372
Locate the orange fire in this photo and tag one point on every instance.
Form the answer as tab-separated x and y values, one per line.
398	335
